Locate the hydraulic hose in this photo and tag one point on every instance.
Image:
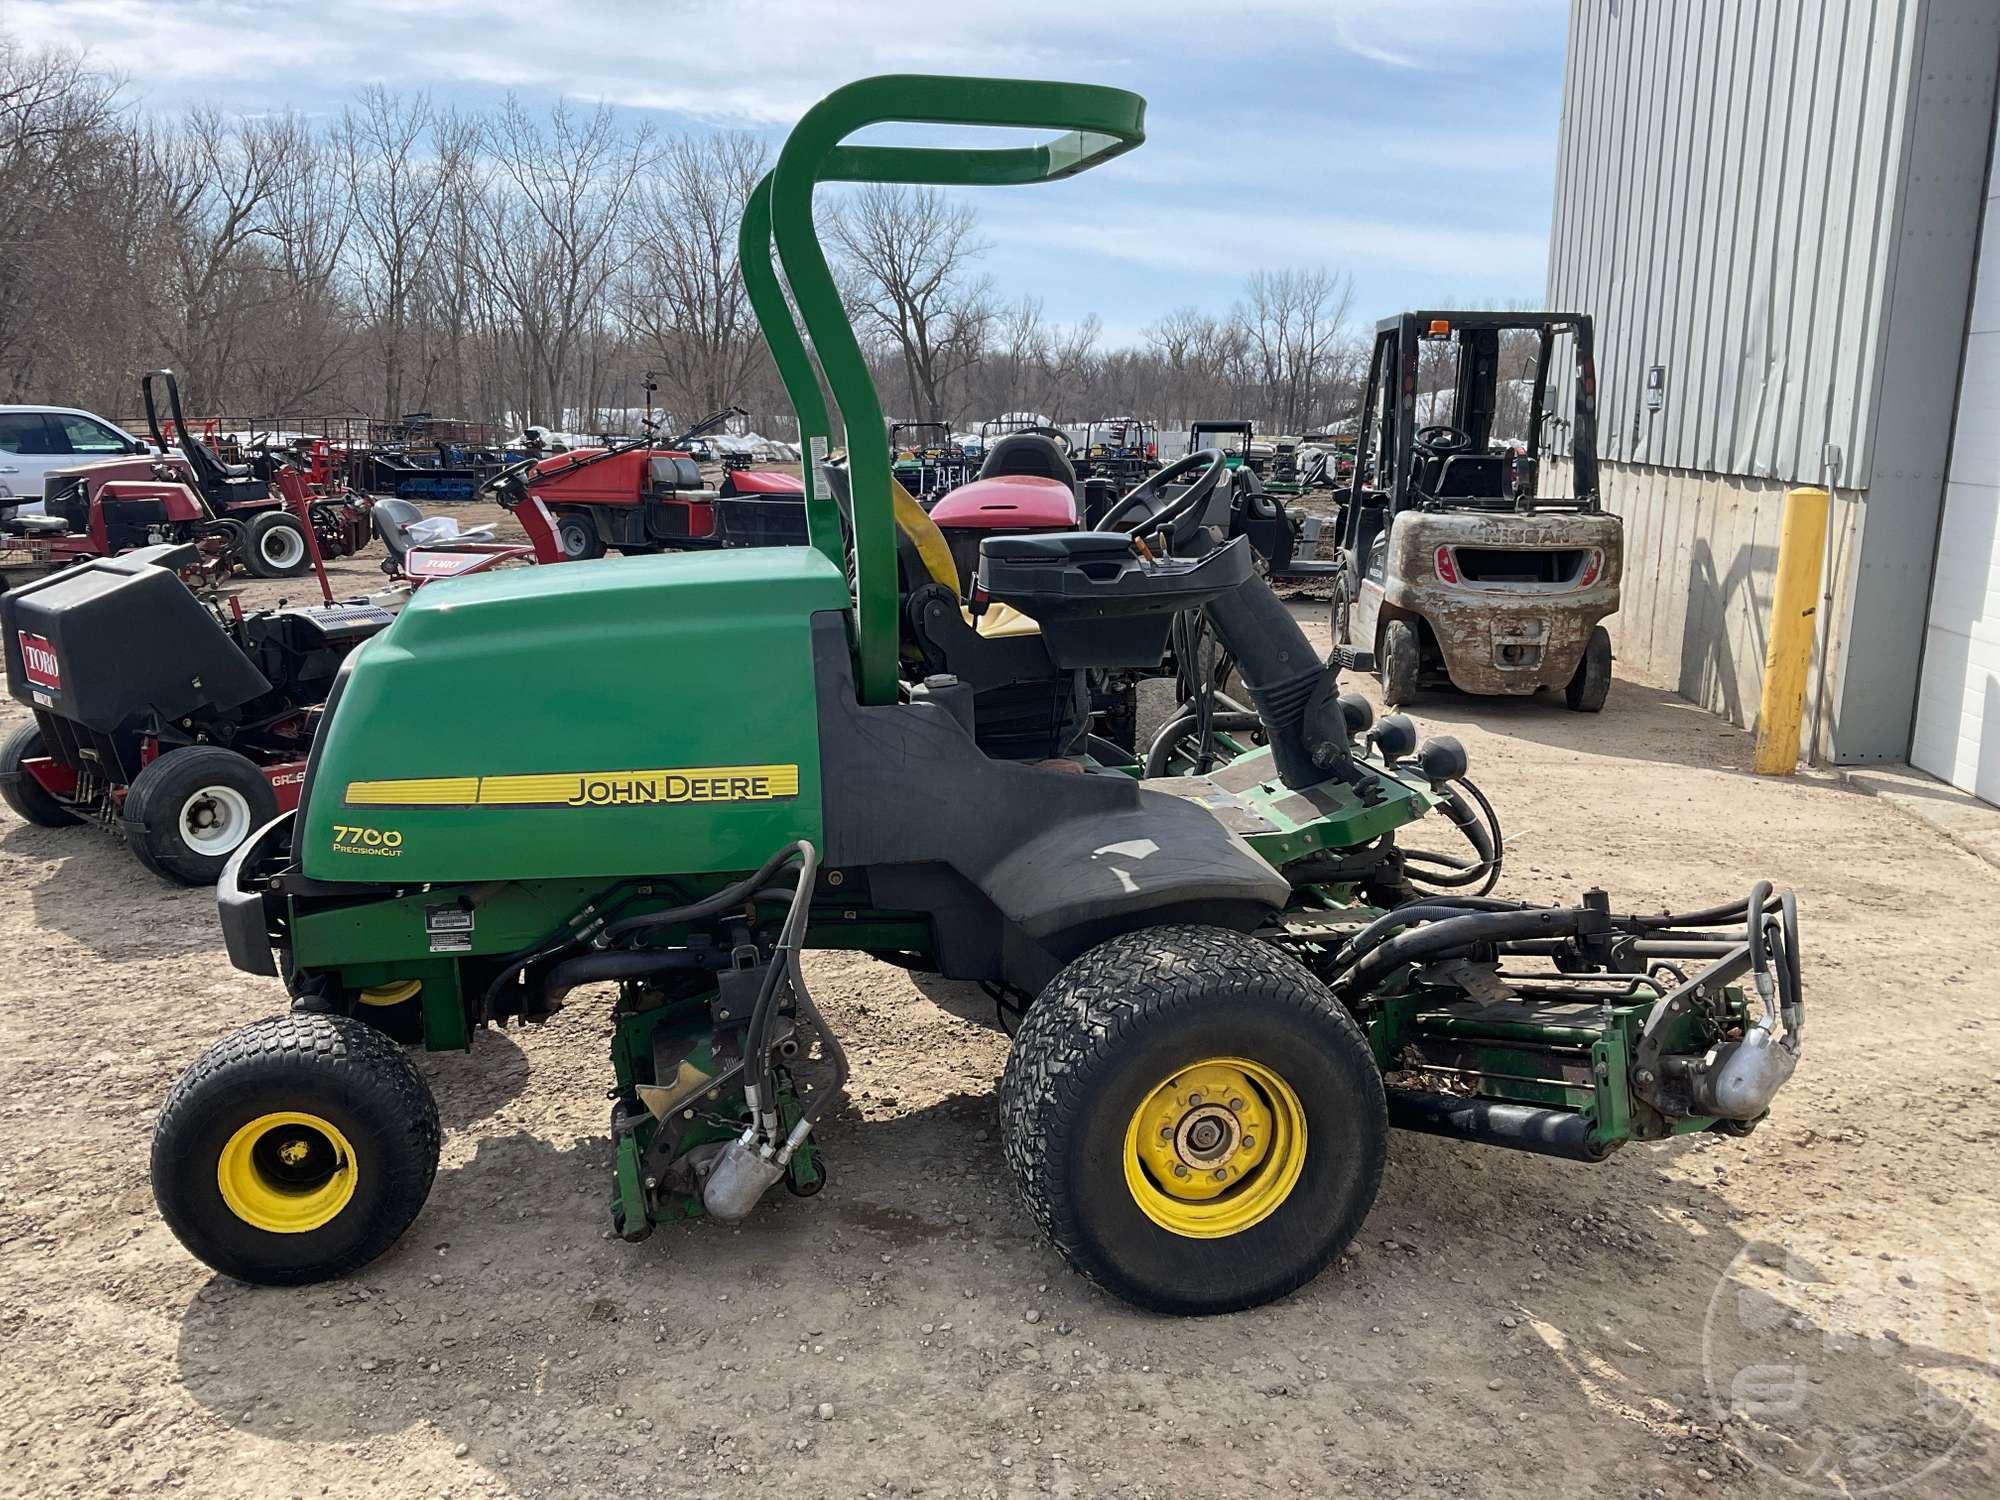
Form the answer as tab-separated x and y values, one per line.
709	906
1454	933
1410	913
836	1054
1485	838
784	967
1161	750
1759	898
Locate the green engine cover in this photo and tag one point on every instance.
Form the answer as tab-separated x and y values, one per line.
616	718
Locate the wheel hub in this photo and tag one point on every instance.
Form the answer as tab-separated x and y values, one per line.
215	820
1215	1148
286	1172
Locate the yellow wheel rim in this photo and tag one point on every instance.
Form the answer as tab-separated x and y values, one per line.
391	994
1216	1148
286	1172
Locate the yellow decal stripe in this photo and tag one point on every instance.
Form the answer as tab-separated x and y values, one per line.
423	791
668	786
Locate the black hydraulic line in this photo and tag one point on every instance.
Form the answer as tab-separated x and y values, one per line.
1171	733
1788	927
836	1054
1759	898
1106	752
1426	909
1485	839
708	906
721	901
1455	933
784	966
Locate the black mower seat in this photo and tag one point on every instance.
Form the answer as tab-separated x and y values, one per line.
1027	453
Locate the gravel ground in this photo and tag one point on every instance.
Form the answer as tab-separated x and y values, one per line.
1804	1311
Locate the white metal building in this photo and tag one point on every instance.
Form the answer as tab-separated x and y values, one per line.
1774	209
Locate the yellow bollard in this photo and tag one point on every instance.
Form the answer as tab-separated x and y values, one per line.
1794	605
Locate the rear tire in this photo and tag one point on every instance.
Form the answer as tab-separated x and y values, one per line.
1402	658
294	1150
1116	1050
192	808
1590	684
274	546
1340	614
576	534
28	798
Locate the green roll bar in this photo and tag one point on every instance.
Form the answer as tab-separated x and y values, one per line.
777	230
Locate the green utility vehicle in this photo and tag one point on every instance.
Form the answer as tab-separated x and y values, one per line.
674	774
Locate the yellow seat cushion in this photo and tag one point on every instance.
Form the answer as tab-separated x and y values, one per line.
1002	622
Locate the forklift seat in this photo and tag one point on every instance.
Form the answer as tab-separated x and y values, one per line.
1028	454
1468	476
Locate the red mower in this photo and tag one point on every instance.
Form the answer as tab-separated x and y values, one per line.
225	512
643	496
181	722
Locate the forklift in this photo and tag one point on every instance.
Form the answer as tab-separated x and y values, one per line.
1223	988
1460	562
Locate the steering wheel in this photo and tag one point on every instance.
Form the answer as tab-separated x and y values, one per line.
1163	512
1441	439
510	486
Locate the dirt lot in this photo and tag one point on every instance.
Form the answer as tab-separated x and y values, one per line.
1504	1322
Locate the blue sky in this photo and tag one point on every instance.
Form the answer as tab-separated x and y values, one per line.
1410	142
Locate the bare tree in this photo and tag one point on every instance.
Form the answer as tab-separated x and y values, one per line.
397	162
1293	319
684	299
55	117
908	250
552	214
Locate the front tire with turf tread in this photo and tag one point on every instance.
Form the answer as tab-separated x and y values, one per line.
28	798
332	1067
1129	1014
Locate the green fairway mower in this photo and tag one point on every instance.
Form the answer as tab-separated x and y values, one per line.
673	774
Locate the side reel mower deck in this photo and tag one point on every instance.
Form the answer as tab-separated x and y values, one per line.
1225	983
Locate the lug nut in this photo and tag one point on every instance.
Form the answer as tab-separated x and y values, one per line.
1237	1105
1179	1170
1194	1098
1220	1175
1249	1141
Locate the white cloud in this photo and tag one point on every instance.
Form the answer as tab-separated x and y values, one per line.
754	62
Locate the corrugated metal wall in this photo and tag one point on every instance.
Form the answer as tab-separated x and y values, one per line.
1725	192
1778	202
